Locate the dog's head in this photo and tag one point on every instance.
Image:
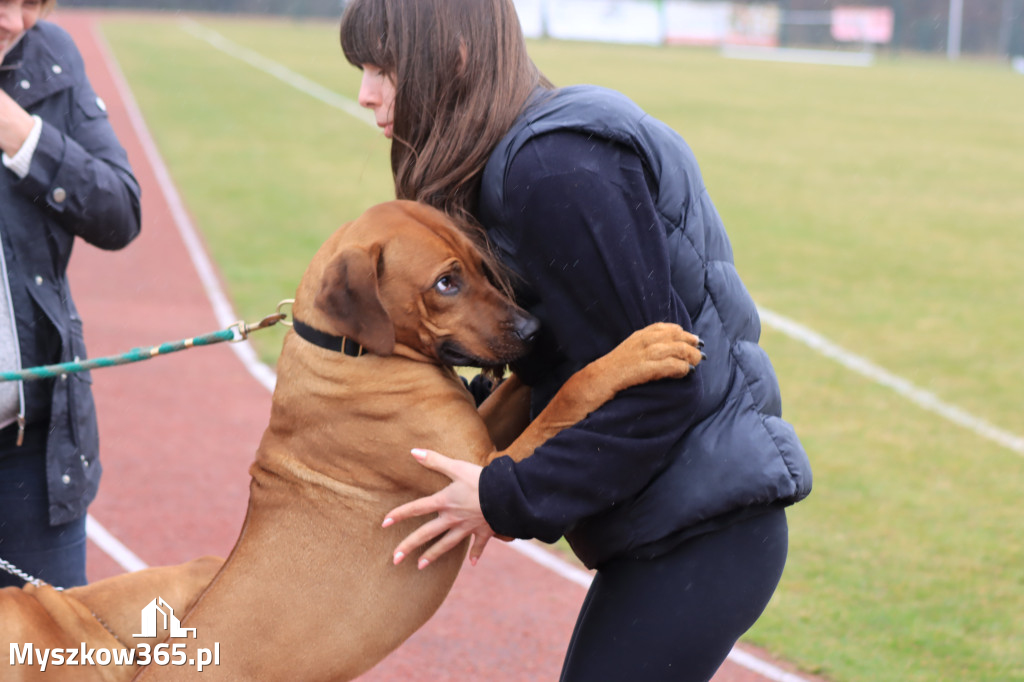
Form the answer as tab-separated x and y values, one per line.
404	279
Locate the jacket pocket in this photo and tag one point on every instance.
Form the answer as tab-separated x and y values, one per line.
89	104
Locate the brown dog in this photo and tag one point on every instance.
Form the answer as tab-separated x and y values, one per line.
387	305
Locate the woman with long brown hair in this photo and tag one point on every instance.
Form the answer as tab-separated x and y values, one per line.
675	490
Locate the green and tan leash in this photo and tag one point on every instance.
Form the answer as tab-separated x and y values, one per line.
239	331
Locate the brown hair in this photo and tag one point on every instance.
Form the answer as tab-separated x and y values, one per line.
462	76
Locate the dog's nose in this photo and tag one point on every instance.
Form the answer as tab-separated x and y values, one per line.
526	327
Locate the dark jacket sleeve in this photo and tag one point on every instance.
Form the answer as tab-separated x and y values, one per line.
591	249
83	174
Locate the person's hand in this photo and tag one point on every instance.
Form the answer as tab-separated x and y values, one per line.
457	507
15	125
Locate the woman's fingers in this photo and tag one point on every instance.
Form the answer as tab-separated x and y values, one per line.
420	507
477	550
419	537
457	507
437	462
448	541
434	503
447	531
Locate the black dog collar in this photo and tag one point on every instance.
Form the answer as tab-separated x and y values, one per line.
341	344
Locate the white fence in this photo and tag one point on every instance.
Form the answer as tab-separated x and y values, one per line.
986	26
694	22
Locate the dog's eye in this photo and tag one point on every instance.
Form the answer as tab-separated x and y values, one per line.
447	286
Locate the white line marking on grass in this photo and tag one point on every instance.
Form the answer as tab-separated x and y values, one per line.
279	71
920	397
798	56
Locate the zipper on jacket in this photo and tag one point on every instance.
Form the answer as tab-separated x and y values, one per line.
17	346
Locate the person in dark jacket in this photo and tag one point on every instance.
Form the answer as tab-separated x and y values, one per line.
675	490
64	175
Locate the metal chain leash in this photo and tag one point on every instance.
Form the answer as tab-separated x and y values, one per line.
10	568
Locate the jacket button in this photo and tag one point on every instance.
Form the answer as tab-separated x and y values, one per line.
59	195
25	85
64	377
39	280
101	104
56	68
65	479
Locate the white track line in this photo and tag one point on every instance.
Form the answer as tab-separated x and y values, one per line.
207	274
114	548
265	375
553	562
920	397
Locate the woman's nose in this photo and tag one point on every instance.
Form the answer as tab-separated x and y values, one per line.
369	95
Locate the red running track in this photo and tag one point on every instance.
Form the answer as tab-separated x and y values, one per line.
178	434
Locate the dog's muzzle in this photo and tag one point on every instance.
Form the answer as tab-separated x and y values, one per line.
520	331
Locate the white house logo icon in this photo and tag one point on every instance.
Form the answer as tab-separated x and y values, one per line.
151	615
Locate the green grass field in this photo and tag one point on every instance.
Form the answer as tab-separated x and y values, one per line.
881	207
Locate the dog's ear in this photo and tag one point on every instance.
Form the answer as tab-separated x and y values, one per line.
350	297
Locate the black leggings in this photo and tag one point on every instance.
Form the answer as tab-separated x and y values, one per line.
676	617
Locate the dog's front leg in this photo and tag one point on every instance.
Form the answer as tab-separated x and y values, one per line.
506	411
659	351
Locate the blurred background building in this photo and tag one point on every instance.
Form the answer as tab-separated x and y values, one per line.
951	27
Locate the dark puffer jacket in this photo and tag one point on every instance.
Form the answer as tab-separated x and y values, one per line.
735	456
79	185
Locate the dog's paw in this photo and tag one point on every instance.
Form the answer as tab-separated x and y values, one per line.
667	350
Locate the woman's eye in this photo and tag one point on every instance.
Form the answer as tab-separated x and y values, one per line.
446	286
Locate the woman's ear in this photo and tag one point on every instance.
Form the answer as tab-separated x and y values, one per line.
463	57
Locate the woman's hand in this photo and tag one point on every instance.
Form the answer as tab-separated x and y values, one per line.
15	125
457	507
